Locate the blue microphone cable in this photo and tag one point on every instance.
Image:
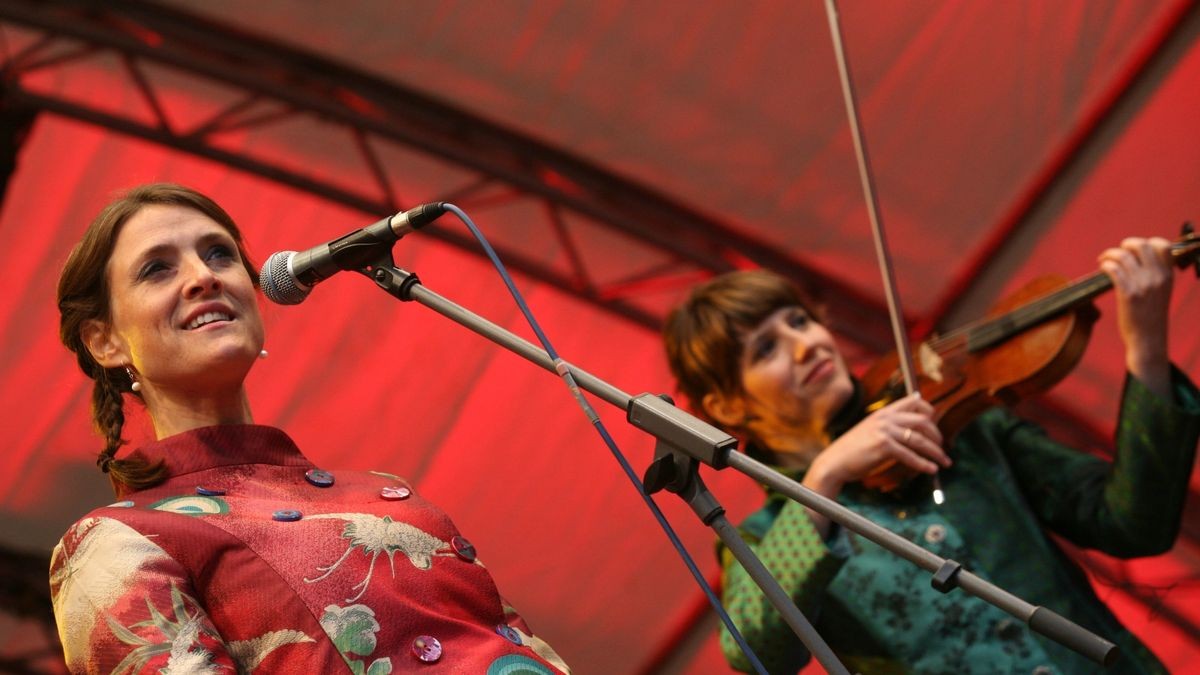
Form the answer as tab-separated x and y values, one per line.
564	371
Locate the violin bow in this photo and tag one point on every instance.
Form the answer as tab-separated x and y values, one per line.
904	352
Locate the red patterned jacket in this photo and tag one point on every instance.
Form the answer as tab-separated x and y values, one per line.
248	558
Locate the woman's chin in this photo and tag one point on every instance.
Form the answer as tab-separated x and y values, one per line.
225	366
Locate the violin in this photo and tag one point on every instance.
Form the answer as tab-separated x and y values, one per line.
1025	345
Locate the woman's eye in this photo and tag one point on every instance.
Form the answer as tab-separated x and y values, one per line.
761	349
151	268
798	320
220	252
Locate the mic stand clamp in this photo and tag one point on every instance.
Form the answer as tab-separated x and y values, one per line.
397	282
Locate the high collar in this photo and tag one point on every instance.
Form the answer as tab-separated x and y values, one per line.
222	445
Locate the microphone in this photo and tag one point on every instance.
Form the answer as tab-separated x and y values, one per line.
287	277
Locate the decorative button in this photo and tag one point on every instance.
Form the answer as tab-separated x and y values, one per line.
209	492
427	648
935	534
509	633
1043	670
902	514
318	477
396	492
286	515
463	548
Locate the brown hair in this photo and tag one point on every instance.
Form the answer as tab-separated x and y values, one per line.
84	294
703	336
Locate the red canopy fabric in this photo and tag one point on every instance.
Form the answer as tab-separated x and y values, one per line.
972	111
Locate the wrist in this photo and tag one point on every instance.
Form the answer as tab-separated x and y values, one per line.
1153	373
823	481
1145	358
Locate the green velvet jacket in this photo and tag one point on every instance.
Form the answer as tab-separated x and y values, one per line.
1010	483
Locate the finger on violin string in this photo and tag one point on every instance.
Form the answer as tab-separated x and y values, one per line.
1149	255
1156	255
1122	256
1145	247
1117	273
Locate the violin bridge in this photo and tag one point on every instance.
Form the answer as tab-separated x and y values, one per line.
931	362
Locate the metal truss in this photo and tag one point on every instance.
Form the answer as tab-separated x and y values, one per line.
278	83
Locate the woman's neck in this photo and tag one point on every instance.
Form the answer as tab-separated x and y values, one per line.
176	412
795	447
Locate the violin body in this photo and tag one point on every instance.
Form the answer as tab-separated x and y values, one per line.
962	375
1026	344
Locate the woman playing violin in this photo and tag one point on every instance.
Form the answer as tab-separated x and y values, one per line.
752	356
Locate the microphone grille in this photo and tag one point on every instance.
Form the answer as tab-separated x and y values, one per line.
277	282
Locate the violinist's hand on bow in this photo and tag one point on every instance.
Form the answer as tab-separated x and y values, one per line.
1142	277
901	435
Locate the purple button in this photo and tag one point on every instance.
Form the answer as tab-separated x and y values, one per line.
509	633
427	648
463	548
286	515
318	477
393	493
209	492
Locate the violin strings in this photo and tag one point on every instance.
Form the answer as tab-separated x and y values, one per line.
985	332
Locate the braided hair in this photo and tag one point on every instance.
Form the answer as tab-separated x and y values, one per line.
83	297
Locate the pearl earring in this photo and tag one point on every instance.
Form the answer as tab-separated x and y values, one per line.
135	386
262	354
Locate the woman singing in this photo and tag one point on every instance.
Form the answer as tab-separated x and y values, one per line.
228	550
753	357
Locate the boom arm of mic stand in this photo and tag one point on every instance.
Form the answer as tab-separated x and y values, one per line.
703	442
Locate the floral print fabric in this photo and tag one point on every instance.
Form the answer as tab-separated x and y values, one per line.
202	574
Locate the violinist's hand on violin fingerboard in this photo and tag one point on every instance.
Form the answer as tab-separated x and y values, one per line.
902	432
1142	277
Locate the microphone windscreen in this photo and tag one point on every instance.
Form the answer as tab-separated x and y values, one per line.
277	282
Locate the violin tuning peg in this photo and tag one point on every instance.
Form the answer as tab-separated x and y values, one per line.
1188	237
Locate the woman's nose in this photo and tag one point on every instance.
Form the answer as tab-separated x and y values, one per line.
200	279
798	345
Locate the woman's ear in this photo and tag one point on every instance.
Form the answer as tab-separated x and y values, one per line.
727	410
103	344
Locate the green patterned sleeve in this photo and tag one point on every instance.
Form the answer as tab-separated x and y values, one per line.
1133	505
783	536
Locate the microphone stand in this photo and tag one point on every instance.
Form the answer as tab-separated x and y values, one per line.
683	441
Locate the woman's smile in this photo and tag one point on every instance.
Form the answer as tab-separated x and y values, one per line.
819	372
